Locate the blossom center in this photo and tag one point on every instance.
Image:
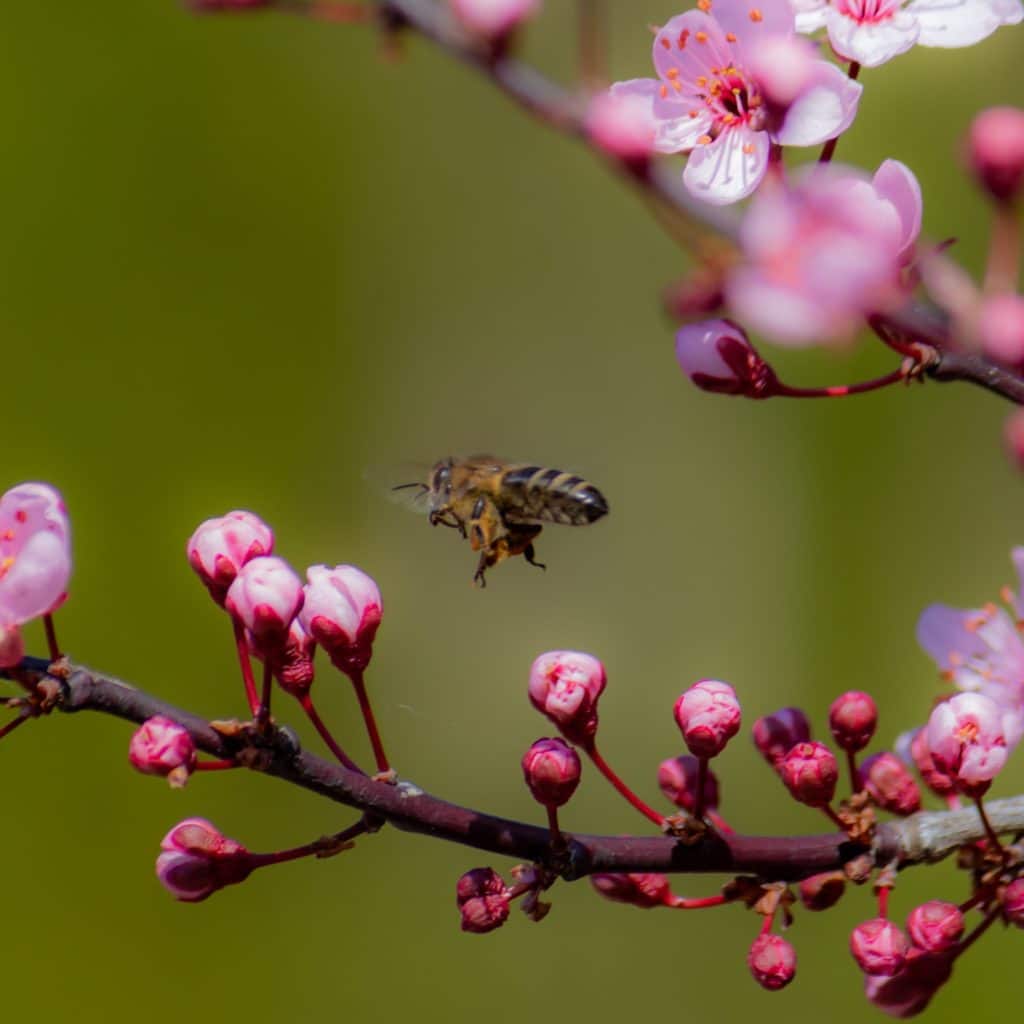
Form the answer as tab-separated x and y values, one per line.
730	98
869	12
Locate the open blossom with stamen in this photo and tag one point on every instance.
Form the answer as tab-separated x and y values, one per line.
35	560
823	252
966	739
707	102
981	650
872	32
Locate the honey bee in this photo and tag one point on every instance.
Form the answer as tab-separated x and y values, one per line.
500	507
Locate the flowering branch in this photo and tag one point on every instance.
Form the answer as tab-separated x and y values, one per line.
920	839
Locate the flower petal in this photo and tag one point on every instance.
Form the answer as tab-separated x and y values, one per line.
686	48
943	635
897	183
871	43
951	23
728	169
752	20
810	15
824	111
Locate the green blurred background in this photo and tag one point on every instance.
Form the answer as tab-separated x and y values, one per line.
245	262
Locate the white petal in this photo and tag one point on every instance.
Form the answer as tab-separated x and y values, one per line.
952	23
810	14
871	44
679	134
826	110
728	169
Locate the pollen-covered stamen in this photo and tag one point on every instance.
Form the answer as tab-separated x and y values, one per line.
868	11
5	565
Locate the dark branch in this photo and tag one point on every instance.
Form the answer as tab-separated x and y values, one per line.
923	838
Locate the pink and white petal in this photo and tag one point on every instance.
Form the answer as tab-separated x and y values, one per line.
37	579
826	109
681	134
871	44
810	15
751	21
897	183
952	23
677	125
1013	726
784	315
686	48
728	169
943	635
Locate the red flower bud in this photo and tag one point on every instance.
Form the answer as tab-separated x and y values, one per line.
565	686
852	719
708	715
1013	902
552	771
810	773
995	151
772	962
775	735
342	611
935	926
162	747
913	747
219	548
640	890
890	785
717	356
909	992
265	597
677	778
197	860
819	892
483	900
879	947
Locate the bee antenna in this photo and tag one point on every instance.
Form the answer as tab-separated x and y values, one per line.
405	487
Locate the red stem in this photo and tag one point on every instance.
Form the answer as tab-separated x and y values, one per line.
841	390
13	724
883	901
832	816
721	825
263	715
306	703
698	903
242	646
262	860
381	758
978	932
216	766
990	832
51	638
556	835
605	769
851	763
1003	268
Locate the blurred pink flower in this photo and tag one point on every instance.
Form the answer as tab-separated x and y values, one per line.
872	32
621	121
995	151
493	18
35	560
717	356
821	254
908	993
707	102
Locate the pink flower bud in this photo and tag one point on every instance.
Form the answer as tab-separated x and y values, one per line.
552	771
197	860
890	785
35	556
1001	328
995	151
342	612
913	748
852	719
775	735
265	597
220	547
909	992
935	926
483	900
810	773
708	715
292	664
565	686
717	356
677	778
493	19
966	740
1013	902
639	890
1013	437
879	947
621	121
162	747
772	962
819	892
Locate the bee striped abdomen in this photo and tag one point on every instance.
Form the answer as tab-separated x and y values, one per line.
552	495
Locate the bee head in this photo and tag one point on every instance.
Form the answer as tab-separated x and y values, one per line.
441	479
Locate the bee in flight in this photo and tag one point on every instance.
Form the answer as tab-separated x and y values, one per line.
502	506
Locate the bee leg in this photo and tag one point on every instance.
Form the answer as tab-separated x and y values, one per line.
528	553
481	568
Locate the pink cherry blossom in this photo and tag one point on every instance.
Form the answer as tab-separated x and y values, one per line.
621	121
879	947
342	612
995	151
162	747
908	993
565	686
265	597
718	357
776	734
820	254
810	773
677	779
871	32
708	715
219	547
551	769
965	737
196	860
772	962
935	926
35	560
493	18
707	102
1001	327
